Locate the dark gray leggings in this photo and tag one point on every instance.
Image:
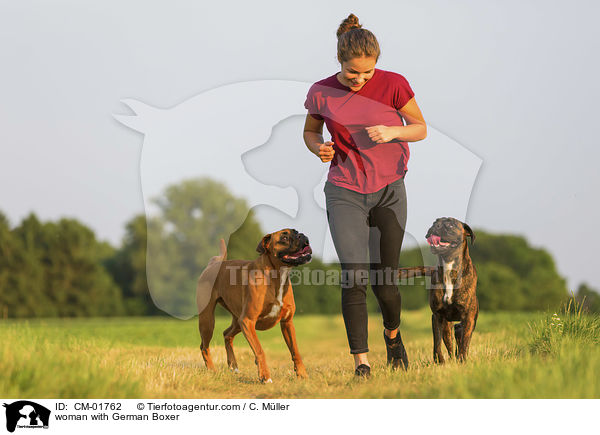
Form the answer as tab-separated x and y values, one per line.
367	231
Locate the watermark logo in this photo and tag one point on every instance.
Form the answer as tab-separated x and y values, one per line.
25	414
240	275
248	136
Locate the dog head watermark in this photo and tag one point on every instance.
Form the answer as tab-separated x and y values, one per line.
248	136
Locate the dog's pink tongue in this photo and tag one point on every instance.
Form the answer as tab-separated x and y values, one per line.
434	240
306	250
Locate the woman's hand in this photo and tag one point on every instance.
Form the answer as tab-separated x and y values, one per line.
414	130
313	138
381	133
326	152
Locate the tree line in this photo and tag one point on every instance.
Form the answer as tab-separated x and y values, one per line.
60	269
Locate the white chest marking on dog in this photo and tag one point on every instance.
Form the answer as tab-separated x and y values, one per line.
448	287
285	272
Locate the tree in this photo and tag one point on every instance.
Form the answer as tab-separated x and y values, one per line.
26	295
127	267
54	269
499	288
21	274
537	279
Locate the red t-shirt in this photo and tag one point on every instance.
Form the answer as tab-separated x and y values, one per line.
360	164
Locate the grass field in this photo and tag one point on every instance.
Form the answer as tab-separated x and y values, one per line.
513	355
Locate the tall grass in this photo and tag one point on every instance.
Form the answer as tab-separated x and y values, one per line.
512	355
570	326
35	364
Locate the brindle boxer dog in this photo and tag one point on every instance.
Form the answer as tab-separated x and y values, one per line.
257	293
452	297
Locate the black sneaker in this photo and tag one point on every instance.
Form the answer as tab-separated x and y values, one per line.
363	371
396	354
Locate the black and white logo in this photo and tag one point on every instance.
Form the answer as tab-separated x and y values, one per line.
25	414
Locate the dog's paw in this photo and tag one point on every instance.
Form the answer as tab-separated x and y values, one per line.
301	373
268	381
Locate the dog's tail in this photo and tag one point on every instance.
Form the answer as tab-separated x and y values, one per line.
415	272
222	256
223	246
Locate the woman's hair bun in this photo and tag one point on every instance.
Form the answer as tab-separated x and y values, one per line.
354	41
348	24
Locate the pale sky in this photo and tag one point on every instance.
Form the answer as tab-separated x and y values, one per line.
515	83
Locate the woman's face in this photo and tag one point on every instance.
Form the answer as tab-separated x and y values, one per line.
356	72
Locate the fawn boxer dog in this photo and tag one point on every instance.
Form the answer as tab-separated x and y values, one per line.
452	297
257	293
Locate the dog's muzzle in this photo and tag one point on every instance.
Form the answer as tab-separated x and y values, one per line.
300	252
445	234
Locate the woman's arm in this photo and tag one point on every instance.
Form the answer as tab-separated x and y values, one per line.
414	130
313	138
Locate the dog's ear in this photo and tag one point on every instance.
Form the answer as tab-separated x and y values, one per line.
469	232
262	246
